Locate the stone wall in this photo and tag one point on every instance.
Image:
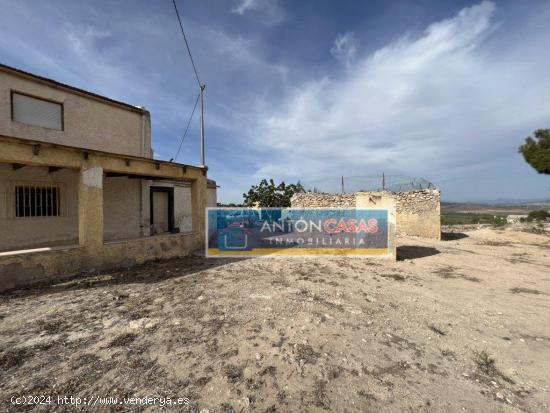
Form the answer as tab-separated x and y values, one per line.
315	200
418	212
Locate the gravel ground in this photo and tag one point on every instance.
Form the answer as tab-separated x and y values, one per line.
461	324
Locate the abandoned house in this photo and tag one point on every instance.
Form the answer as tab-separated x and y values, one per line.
79	188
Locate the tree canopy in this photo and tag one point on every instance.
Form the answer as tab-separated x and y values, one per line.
267	194
537	151
538	215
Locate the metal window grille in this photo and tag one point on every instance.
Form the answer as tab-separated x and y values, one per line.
37	201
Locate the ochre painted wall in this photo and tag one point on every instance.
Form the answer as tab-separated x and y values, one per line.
121	208
37	266
88	122
37	231
121	204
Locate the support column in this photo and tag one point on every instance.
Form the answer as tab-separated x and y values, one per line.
90	207
144	209
198	206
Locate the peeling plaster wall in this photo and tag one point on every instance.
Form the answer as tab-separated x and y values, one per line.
21	269
183	216
418	212
59	263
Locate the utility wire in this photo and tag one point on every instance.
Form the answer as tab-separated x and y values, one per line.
187	45
187	128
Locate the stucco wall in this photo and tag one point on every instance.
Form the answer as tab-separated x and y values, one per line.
20	269
211	197
35	231
183	217
418	212
88	122
121	208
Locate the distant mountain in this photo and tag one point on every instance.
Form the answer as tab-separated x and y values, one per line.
508	201
496	207
505	201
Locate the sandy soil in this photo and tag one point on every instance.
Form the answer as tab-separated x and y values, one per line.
457	325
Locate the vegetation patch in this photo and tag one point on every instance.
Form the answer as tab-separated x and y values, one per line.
466	218
437	330
13	358
446	272
123	340
538	215
320	395
306	353
233	373
486	365
519	290
396	277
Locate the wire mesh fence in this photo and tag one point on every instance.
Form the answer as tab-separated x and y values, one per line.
380	182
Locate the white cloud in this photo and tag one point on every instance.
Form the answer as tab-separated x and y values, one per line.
439	105
451	104
268	12
345	48
245	5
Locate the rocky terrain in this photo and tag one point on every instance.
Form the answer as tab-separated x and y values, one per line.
461	324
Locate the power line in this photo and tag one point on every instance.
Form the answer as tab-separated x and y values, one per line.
187	127
187	44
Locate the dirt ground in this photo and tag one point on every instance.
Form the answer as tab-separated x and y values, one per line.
461	324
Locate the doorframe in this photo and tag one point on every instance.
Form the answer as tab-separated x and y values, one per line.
170	191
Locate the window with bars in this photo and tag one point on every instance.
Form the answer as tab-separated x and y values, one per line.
37	201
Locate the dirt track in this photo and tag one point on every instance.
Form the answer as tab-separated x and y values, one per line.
456	325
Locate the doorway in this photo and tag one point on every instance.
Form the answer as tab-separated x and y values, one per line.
162	210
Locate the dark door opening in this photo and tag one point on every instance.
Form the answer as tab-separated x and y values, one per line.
162	210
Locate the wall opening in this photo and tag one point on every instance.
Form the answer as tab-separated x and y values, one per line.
162	210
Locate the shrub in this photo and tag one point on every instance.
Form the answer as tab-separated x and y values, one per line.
538	215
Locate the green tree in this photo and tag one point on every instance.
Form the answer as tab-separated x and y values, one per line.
267	194
539	215
537	151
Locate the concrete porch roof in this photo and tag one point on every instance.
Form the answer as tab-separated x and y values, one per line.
37	153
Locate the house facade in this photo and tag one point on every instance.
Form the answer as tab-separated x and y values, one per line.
77	177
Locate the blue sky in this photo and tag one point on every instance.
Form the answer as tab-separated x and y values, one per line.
308	90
